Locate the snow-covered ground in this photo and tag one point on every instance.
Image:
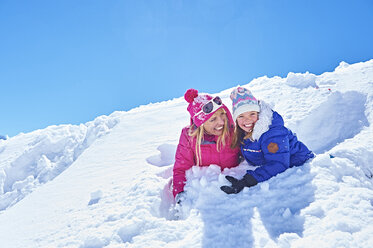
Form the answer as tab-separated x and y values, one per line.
105	183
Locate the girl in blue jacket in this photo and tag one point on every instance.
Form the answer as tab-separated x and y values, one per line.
264	140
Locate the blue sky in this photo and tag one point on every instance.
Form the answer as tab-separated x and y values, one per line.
67	62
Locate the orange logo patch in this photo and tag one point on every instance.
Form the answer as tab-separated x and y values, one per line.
272	147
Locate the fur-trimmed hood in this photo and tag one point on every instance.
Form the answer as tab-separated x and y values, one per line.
264	120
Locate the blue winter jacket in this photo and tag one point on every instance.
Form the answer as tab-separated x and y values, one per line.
275	148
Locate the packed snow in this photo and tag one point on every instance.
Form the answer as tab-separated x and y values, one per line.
29	160
106	183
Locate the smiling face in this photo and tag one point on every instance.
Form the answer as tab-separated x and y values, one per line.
215	125
247	120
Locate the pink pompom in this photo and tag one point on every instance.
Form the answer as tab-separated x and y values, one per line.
190	95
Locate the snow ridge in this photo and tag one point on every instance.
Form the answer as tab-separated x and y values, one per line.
47	153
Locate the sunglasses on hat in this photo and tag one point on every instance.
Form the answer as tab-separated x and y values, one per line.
211	106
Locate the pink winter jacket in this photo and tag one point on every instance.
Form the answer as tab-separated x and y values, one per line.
185	157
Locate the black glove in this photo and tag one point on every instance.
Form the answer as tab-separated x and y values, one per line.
178	211
180	197
238	185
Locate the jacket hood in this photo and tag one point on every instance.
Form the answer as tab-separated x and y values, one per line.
267	117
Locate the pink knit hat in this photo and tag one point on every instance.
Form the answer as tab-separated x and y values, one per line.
196	103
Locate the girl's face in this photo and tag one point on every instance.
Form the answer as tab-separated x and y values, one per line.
247	120
215	125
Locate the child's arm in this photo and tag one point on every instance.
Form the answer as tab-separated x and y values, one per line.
275	147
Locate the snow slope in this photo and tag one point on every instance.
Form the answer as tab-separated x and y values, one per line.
29	160
105	183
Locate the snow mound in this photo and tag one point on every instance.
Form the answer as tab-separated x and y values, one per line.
279	212
301	80
166	156
340	117
342	65
95	197
29	160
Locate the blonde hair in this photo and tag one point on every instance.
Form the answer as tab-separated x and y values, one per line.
198	133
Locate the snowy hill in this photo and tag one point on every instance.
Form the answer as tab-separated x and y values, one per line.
104	183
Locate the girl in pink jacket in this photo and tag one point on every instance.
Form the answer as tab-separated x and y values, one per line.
207	140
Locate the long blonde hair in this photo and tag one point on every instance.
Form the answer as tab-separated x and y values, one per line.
198	134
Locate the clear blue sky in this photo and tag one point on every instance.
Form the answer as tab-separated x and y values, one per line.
69	61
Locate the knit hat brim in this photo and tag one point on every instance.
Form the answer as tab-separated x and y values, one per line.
245	108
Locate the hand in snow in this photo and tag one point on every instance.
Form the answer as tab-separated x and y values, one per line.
238	185
179	198
178	213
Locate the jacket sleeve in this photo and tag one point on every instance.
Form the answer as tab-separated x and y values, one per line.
275	149
184	160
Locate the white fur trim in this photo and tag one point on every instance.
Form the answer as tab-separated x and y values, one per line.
264	121
245	108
